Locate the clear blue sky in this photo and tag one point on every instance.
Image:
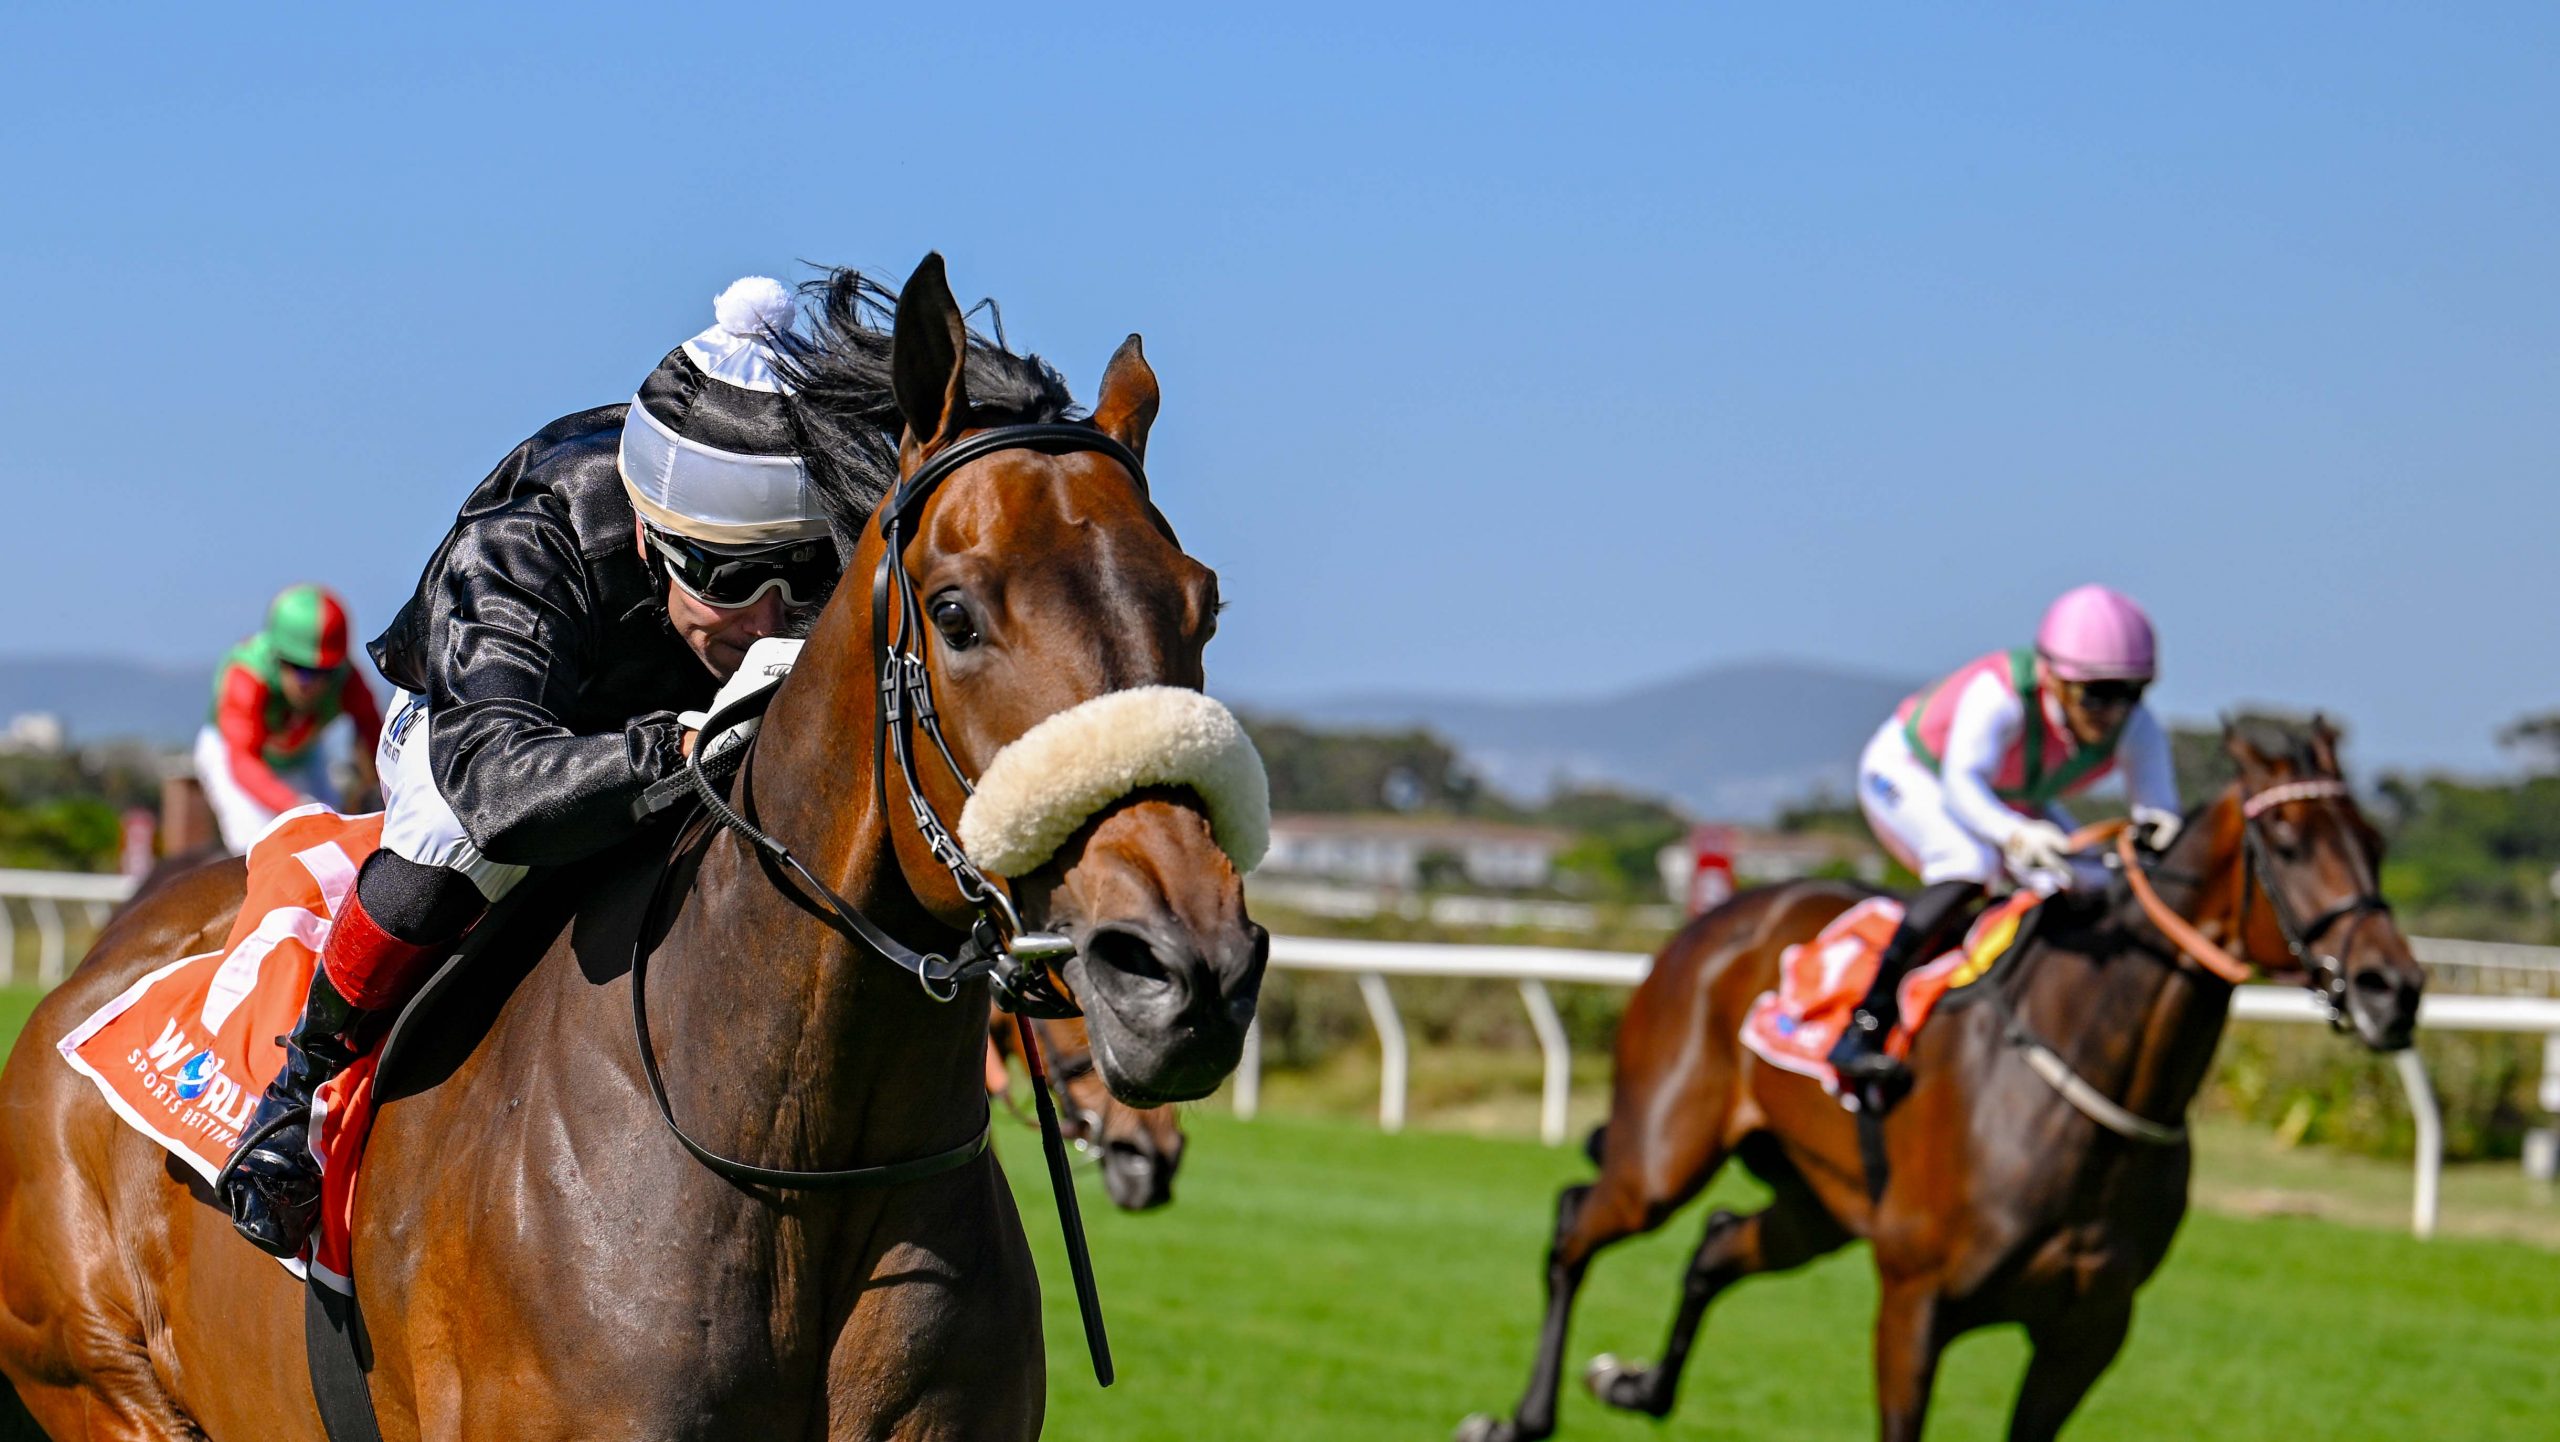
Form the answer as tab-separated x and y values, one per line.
1512	351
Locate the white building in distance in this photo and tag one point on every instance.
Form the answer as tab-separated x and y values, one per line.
1403	851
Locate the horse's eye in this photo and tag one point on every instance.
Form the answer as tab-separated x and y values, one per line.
951	617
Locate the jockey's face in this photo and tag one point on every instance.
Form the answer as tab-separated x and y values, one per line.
301	684
2095	710
720	635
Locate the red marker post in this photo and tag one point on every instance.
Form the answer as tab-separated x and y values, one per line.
1711	881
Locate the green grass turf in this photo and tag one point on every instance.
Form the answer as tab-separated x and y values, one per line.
15	1003
1320	1280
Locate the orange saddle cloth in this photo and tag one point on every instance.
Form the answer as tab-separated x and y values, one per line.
1820	982
183	1054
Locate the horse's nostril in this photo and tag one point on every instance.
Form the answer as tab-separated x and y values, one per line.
1128	953
2382	983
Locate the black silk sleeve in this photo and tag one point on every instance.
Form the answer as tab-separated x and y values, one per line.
516	633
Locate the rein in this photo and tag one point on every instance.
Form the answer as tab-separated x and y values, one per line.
886	1174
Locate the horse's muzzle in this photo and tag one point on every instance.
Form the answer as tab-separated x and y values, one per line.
1167	1009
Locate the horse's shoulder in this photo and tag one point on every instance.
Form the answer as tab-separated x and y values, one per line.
561	937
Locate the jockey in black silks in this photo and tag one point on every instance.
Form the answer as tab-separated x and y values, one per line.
607	576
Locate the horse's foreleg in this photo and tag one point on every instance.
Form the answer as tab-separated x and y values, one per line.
1787	1234
1908	1341
2071	1351
1588	1217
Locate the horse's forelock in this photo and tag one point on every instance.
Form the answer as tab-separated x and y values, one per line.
844	408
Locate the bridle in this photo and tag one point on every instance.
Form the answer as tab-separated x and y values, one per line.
1018	963
2324	969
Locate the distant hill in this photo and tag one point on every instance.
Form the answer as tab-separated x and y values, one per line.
1731	742
109	699
1734	742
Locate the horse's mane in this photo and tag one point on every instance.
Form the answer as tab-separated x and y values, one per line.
845	410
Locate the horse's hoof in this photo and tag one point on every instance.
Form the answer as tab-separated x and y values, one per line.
1620	1384
1480	1428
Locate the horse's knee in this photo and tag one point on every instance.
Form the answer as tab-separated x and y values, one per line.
1569	1204
1718	1241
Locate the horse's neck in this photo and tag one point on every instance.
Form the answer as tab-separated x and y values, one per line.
806	1050
2125	1013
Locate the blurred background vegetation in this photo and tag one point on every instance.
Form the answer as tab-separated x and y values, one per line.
2470	857
61	811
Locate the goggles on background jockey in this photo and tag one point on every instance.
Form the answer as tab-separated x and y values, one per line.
804	571
2111	695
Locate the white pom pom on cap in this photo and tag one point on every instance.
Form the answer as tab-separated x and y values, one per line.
753	307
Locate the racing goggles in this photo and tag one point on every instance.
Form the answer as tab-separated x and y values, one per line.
804	571
2110	695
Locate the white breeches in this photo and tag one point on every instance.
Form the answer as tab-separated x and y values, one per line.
418	824
239	816
1908	811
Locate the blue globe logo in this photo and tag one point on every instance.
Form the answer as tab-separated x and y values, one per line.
196	1075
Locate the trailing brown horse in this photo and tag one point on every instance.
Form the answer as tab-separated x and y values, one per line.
536	1256
1139	1149
2004	1200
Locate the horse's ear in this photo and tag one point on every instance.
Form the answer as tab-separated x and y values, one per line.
2235	744
2324	744
928	354
1127	404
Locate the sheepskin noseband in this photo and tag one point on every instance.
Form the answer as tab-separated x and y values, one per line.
1038	790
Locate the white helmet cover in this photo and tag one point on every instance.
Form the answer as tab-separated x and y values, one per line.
707	447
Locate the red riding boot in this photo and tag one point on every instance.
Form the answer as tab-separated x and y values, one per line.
272	1184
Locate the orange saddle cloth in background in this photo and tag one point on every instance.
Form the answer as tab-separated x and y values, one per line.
183	1054
1820	982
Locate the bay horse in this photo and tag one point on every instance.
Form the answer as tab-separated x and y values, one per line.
1139	1149
2004	1199
536	1256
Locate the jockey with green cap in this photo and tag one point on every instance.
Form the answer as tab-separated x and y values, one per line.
259	753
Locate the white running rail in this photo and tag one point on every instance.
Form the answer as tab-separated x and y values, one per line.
45	895
1532	967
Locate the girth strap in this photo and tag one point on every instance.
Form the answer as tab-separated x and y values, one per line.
2090	1102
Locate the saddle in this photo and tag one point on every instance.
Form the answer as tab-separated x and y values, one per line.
183	1054
1820	982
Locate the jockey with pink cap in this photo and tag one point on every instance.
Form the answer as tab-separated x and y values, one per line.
1963	783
